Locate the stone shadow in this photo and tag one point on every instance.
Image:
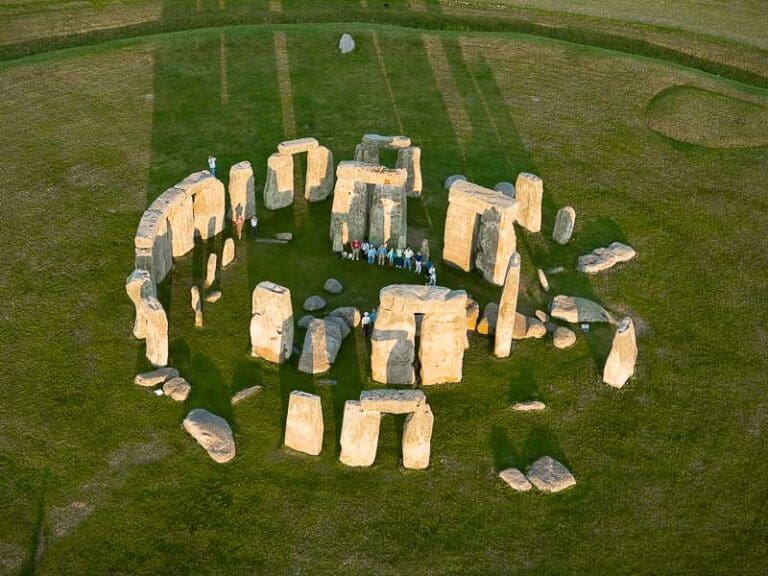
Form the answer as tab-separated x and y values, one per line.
209	390
538	442
36	544
522	386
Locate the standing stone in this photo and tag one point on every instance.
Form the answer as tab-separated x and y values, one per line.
213	296
242	196
181	220
425	249
228	253
346	44
152	239
304	423
271	327
410	159
297	146
417	438
566	218
197	306
505	320
209	207
529	192
473	313
359	435
210	270
139	285
157	331
278	189
441	351
620	365
387	214
393	348
506	188
543	280
319	180
321	345
212	432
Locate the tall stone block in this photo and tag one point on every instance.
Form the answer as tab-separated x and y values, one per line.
242	196
410	159
564	223
441	352
321	344
209	207
304	424
157	331
210	270
393	348
459	240
505	320
359	435
620	365
182	223
529	193
278	189
349	215
319	181
271	327
417	438
139	285
197	305
388	214
152	234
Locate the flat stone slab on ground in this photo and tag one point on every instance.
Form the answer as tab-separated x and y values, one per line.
515	479
604	258
529	406
313	303
284	236
214	296
575	310
212	432
245	393
333	286
177	388
155	377
271	241
392	401
549	475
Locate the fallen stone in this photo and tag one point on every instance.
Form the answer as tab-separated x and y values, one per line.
620	365
575	310
212	432
392	401
343	326
548	475
270	241
359	435
346	44
305	321
487	324
528	327
213	296
451	179
284	236
228	252
556	270
543	280
333	286
210	271
564	222
604	258
304	424
177	388
245	393
515	479
542	316
155	377
529	406
313	303
417	438
473	313
321	344
506	188
327	382
563	337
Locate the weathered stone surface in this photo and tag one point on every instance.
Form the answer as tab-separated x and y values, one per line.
349	314
278	189
157	331
563	338
371	173
343	326
451	179
564	223
441	351
210	270
393	348
410	159
333	286
297	146
139	285
392	142
473	314
487	324
208	206
155	377
529	406
338	244
515	479
417	438
425	249
417	299
245	393
620	365
314	303
505	319
542	316
388	211
177	388
574	310
242	195
318	183
529	192
528	327
305	321
152	235
543	280
213	296
212	432
272	322
392	401
321	344
181	220
359	435
349	215
304	423
604	258
197	306
506	188
228	253
346	44
549	475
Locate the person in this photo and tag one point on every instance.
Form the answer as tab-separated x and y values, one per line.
355	249
417	262
371	254
239	222
432	276
427	267
364	247
373	318
407	258
391	256
212	165
382	252
254	224
366	324
399	258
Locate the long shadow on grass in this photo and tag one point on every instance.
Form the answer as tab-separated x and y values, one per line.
520	454
29	567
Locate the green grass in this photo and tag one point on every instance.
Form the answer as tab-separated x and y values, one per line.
98	476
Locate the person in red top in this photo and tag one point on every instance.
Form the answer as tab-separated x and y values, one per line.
355	249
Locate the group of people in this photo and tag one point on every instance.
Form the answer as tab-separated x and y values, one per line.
397	257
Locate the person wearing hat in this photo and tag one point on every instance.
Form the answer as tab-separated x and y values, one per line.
366	324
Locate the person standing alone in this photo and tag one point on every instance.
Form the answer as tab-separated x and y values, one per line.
212	165
366	322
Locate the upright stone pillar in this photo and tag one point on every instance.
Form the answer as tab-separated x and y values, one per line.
496	244
319	180
529	192
505	321
278	189
349	215
441	351
620	365
157	331
392	347
417	438
459	238
209	207
410	159
182	223
272	322
359	435
304	424
139	285
197	305
242	196
387	215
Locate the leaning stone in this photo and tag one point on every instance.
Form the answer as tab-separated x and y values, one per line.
304	424
566	218
473	313
155	377
417	438
214	296
343	326
620	365
563	338
210	271
321	344
506	188
451	179
359	435
305	321
392	401
346	44
349	314
543	280
575	310
604	258
487	324
548	475
515	479
285	236
313	303
228	253
245	393
177	388
333	286
197	305
212	432
507	312
410	159
529	192
530	406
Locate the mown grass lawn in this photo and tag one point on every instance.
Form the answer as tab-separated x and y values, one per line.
98	475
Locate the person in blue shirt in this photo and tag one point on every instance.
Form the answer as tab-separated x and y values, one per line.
371	254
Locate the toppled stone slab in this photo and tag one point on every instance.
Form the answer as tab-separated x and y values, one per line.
245	393
515	479
155	377
528	327
359	435
213	296
543	280
346	44
314	303
349	314
575	310
564	223
327	382
620	365
177	388
549	475
487	324
212	432
451	179
333	286
529	406
157	331
321	344
393	345
392	401
563	338
604	258
304	424
284	236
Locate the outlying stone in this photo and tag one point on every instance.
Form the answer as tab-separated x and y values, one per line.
451	179
487	324
543	280
155	377
575	310
506	188
304	423
417	438
321	344
620	365
177	388
305	321
392	401
333	286
549	475
563	337
245	393
359	435
346	44
529	192
515	479
314	303
529	406
213	296
564	222
212	432
228	252
197	305
349	314
271	328
604	258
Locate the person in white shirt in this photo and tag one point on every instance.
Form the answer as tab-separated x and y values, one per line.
254	224
212	165
366	322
